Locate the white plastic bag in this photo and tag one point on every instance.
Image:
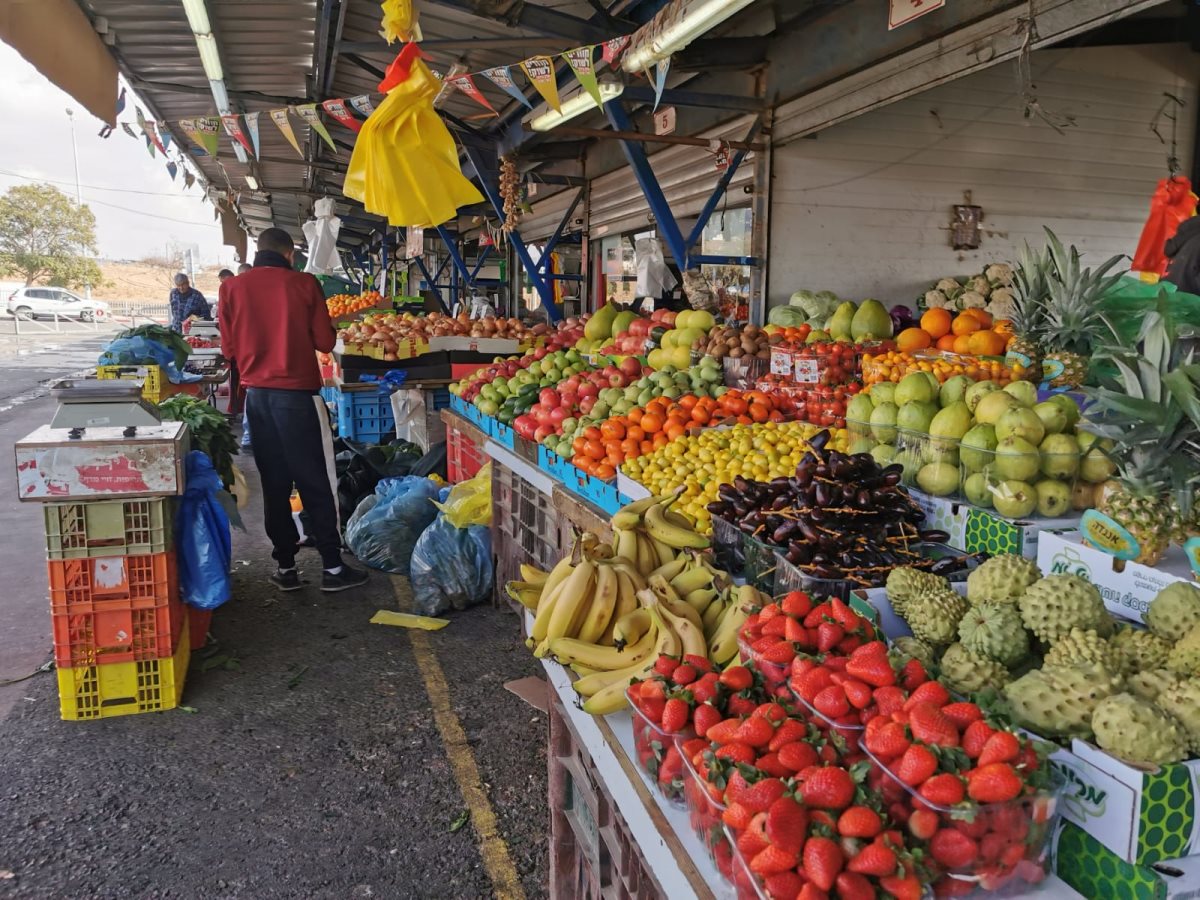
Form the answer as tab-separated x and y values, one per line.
322	234
653	277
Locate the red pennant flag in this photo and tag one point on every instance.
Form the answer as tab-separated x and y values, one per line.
466	84
233	128
338	111
611	49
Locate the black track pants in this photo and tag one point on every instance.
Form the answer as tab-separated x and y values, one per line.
293	446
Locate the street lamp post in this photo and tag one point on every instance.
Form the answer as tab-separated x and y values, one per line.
87	288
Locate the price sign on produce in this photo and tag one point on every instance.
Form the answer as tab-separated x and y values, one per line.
901	12
807	371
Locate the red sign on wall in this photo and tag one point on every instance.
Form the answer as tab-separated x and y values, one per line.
901	12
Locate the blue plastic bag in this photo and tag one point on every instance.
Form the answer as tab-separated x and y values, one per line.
202	540
451	567
137	350
386	525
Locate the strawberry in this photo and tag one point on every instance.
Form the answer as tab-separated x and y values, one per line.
754	839
930	726
684	674
705	716
859	822
831	702
704	690
737	678
823	860
693	748
771	765
849	643
811	892
736	785
784	885
759	796
1002	747
739	753
887	741
916	765
852	886
794	631
828	636
953	887
962	714
858	693
913	675
755	731
653	708
907	888
816	615
701	664
666	665
740	705
873	859
829	788
992	845
796	603
781	653
975	738
725	731
737	817
653	688
975	827
943	790
797	756
773	859
811	682
675	715
993	783
787	825
923	823
930	692
844	615
771	711
789	731
875	670
777	627
953	849
888	699
671	767
768	612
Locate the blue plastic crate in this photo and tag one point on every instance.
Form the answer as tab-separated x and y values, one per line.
329	395
501	433
602	494
441	398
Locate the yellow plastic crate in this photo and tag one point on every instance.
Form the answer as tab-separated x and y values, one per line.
151	377
125	688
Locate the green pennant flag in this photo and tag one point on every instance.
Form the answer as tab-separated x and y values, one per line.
207	131
308	112
581	63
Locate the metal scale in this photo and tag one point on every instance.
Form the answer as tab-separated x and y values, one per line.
84	404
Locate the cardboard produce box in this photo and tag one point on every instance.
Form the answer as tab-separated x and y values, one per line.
974	530
1127	587
1096	872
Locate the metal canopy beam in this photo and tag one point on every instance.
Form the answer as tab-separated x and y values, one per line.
541	19
695	98
544	262
547	43
642	137
716	54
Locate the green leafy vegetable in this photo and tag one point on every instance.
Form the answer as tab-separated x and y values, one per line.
209	428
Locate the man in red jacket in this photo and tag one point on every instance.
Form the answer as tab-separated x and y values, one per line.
273	322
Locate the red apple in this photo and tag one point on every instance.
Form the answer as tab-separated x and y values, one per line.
556	417
542	432
631	368
588	389
586	404
548	397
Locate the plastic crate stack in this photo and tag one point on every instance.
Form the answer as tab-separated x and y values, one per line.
121	634
365	416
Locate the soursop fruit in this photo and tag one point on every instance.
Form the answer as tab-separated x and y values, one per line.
905	583
995	630
1174	611
1050	608
1182	700
933	614
1059	702
918	650
966	672
1107	626
1150	684
1002	579
1140	732
1080	646
1184	658
1141	649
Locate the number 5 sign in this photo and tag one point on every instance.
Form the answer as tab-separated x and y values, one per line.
901	12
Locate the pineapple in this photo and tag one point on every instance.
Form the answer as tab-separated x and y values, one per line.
1139	505
1029	292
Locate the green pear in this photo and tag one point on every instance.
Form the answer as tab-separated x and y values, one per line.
1016	459
938	479
992	406
883	392
1021	422
1014	499
1053	416
883	422
1025	392
978	391
954	389
1053	498
1060	457
1069	407
976	449
915	416
952	422
915	388
977	491
859	408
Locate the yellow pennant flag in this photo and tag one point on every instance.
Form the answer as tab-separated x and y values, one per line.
540	72
280	118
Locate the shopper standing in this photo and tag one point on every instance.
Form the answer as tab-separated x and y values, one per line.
186	302
273	322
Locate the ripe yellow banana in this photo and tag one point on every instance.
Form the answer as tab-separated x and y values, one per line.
611	698
664	553
712	616
626	544
723	645
629	516
582	671
533	576
527	596
673	569
682	520
602	659
600	608
630	569
694	577
672	535
602	551
701	600
545	609
557	575
691	635
632	626
671	601
575	592
626	596
647	556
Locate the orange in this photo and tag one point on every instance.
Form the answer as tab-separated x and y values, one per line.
936	322
594	450
675	430
965	324
986	343
984	317
612	430
652	422
636	432
962	343
946	342
914	338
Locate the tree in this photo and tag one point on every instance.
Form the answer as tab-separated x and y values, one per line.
45	236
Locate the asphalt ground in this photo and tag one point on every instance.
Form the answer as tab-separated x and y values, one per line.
322	756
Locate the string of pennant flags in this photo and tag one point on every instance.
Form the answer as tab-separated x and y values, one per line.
242	129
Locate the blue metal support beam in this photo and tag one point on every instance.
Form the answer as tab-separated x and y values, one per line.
452	248
484	253
722	185
724	260
544	262
544	290
677	97
432	282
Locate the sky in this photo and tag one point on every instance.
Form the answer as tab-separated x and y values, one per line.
138	208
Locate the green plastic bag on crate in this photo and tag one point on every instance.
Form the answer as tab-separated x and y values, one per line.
470	502
1127	304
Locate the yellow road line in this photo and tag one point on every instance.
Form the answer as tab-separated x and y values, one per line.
492	846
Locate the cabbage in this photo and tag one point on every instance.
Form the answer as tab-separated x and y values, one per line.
802	299
786	316
816	306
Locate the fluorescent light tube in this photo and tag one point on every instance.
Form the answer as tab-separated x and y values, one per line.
693	20
197	16
575	105
252	182
210	56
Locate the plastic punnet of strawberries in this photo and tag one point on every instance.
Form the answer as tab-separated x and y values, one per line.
980	800
780	632
678	701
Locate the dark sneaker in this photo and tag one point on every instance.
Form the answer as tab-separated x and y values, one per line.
344	580
286	581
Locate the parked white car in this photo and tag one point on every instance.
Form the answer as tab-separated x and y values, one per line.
32	302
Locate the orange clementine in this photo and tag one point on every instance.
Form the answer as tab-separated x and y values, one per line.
965	324
936	322
984	317
914	338
962	344
986	343
946	342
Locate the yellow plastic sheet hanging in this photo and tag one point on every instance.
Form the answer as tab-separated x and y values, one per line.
405	163
408	620
470	501
399	21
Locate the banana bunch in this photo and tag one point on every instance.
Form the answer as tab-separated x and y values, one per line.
528	591
738	604
648	534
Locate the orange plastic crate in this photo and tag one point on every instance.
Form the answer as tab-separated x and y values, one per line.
110	631
142	581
